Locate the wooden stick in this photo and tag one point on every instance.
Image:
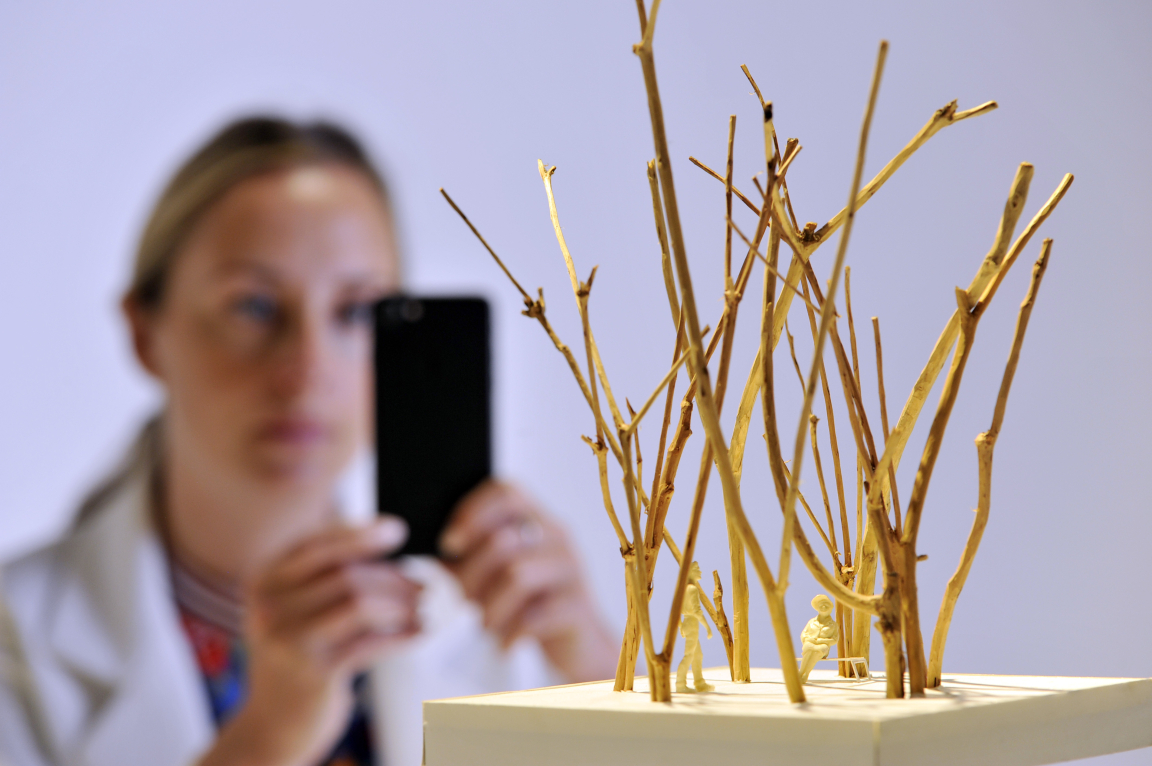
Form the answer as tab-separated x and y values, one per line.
479	236
866	559
792	351
884	422
731	308
851	326
721	621
657	666
865	603
942	118
834	443
668	378
739	194
857	414
626	663
969	317
985	445
826	316
535	310
662	236
813	420
767	265
601	453
670	398
805	245
634	432
793	145
581	303
733	506
945	116
728	205
989	267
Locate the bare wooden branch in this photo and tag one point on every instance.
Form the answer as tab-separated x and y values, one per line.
945	116
728	205
708	415
601	453
669	400
826	316
721	620
985	445
739	194
662	236
989	268
851	326
897	525
479	236
535	310
833	549
791	287
668	378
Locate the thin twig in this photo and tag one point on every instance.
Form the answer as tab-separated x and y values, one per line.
777	274
479	236
671	374
813	420
743	197
884	422
535	310
851	326
662	236
728	205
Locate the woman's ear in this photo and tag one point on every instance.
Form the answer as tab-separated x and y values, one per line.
141	324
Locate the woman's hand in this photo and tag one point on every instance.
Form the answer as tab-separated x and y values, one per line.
518	565
317	617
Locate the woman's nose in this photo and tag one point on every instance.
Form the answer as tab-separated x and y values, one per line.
300	358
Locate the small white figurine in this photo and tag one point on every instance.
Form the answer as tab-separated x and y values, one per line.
818	636
692	617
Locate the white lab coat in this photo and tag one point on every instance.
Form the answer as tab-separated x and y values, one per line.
95	669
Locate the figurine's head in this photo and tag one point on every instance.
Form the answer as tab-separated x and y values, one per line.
823	605
694	571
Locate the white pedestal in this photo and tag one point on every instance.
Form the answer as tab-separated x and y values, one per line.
971	719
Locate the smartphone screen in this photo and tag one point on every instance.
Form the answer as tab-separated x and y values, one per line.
432	410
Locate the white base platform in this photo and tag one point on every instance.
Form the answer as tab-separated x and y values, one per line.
972	719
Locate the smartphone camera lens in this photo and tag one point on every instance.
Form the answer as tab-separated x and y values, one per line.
412	311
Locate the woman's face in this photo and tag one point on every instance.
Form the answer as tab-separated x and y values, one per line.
263	339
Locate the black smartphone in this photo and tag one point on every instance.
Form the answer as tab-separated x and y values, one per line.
433	419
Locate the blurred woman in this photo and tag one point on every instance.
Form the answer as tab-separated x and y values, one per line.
209	604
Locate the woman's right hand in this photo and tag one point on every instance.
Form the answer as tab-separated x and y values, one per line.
317	617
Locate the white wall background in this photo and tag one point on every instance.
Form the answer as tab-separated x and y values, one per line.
98	103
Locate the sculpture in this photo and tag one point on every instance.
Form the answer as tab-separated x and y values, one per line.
885	538
819	635
692	617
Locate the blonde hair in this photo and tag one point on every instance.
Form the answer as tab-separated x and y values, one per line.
243	149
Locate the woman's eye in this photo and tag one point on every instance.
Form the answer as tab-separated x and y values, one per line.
259	308
356	313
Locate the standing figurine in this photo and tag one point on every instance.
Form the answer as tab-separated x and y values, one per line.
691	619
818	636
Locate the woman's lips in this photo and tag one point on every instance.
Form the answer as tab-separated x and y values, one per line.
295	431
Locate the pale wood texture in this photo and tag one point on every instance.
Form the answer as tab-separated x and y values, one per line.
971	720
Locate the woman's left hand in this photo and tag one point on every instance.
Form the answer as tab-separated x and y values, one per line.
518	564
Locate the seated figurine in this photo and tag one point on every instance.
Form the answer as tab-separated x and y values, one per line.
819	635
691	619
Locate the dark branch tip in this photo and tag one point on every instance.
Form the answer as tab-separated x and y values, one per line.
768	111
